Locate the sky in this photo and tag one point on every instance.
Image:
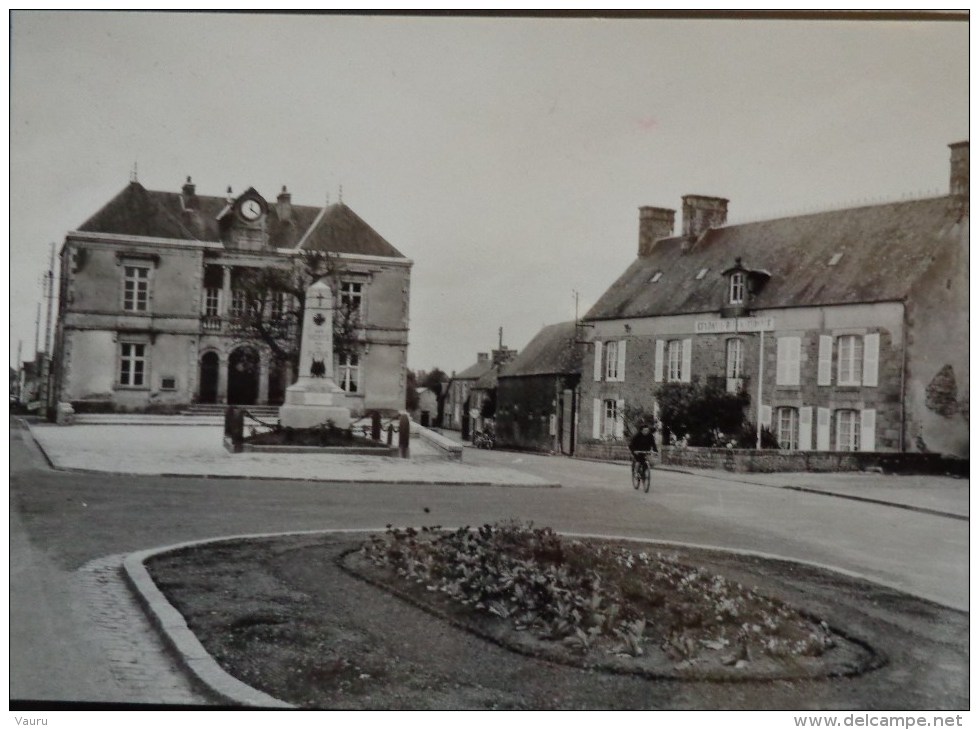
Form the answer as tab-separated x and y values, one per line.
507	157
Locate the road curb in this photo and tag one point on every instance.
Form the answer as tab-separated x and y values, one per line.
189	650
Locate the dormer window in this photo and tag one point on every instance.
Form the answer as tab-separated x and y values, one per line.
656	277
737	288
701	274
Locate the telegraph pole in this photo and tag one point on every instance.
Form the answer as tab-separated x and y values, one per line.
50	296
37	332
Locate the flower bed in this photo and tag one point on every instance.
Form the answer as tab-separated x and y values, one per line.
607	606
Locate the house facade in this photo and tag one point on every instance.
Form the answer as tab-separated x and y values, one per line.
535	393
848	329
151	286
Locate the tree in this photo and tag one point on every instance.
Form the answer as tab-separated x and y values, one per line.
270	303
411	394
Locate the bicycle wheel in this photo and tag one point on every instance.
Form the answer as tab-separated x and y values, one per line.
636	476
645	478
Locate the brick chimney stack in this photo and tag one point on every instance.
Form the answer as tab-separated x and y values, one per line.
190	195
482	357
283	205
959	179
654	224
701	212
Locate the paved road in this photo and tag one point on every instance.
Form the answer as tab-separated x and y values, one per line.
67	529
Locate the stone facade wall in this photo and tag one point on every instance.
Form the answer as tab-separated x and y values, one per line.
708	360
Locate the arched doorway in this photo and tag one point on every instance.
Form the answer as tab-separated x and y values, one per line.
210	367
243	372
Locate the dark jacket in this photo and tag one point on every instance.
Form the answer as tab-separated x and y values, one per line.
642	442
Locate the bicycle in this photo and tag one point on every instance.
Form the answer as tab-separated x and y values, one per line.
640	470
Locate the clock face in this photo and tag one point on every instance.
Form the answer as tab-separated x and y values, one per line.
250	209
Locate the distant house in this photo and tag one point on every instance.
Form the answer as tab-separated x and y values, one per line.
456	409
848	329
472	393
427	409
536	392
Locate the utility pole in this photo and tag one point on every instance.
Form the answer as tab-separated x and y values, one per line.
501	339
37	332
50	296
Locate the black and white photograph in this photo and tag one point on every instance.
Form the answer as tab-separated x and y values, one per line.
466	361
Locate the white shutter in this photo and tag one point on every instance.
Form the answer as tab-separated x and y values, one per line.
685	362
598	360
619	419
825	373
781	356
596	419
871	347
868	429
822	429
658	363
795	360
766	416
788	356
805	428
620	370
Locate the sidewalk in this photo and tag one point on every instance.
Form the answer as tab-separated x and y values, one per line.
198	450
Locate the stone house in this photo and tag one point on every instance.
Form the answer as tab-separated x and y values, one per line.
536	392
427	409
470	391
848	328
150	286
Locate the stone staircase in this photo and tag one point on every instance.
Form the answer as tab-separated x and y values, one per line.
217	409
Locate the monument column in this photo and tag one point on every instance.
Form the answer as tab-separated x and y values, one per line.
315	398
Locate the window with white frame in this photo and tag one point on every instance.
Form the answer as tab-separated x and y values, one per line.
847	430
132	364
737	288
279	303
212	302
351	296
735	358
674	361
610	416
787	428
237	302
612	360
850	360
136	288
348	372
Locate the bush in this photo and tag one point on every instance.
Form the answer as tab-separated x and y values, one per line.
704	415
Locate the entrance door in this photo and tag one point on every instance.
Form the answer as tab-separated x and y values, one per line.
243	377
209	378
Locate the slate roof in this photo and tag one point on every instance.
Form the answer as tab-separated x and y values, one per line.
885	250
475	372
552	351
136	211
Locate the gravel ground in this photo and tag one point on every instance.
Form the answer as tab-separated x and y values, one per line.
282	616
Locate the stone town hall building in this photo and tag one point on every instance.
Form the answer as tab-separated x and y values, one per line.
149	290
849	329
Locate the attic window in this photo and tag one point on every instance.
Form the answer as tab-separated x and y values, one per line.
656	277
701	274
836	258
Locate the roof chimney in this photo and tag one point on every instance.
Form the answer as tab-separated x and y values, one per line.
959	179
482	357
189	194
654	224
283	207
701	212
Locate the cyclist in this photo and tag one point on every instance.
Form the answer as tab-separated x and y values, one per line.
641	445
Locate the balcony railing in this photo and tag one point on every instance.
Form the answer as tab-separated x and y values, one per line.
211	323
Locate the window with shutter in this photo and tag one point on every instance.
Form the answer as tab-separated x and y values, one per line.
787	428
598	360
596	419
788	359
658	363
611	361
621	363
847	430
850	363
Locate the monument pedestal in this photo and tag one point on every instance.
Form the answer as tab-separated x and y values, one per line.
312	402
